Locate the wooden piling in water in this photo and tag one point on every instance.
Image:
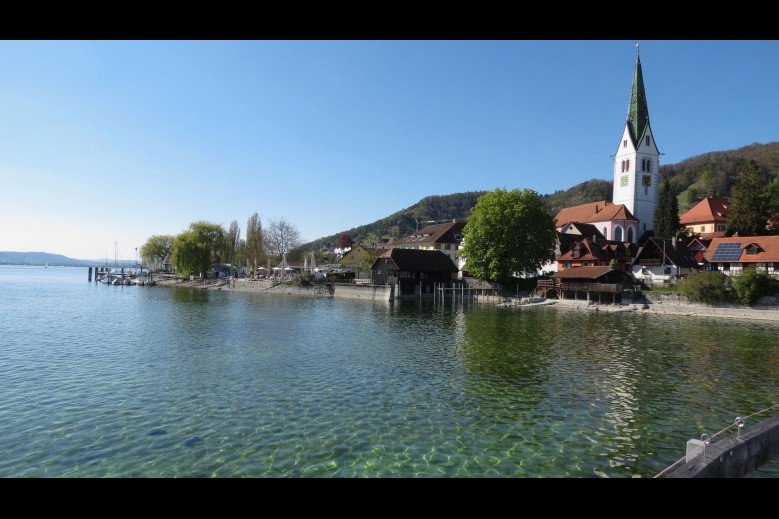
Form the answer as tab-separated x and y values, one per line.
89	278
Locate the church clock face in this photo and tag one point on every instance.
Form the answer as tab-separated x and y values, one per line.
646	181
623	181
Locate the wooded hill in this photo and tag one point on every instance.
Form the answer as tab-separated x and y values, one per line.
709	174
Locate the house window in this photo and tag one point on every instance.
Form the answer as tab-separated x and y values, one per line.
625	143
585	263
703	228
448	246
630	234
605	233
623	166
618	234
627	164
647	140
566	264
649	164
721	228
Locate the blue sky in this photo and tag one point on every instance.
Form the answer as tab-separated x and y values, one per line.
104	143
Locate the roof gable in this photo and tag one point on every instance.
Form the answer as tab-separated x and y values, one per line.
415	260
670	253
707	210
579	213
437	233
593	212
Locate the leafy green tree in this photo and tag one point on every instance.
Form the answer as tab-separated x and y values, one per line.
773	195
232	242
749	203
254	253
508	232
196	248
156	248
667	213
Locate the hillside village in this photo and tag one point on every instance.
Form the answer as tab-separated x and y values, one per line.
604	249
602	246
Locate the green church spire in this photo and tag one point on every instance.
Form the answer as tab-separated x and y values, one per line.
638	113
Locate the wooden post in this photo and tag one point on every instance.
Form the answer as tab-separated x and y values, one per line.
90	275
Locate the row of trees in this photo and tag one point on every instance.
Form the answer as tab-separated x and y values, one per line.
203	243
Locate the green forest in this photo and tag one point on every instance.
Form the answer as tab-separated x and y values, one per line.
709	174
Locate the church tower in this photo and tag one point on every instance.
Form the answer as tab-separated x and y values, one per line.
636	162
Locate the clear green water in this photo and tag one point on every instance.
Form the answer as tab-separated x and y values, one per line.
107	381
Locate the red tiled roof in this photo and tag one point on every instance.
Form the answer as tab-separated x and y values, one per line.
602	211
582	272
437	233
579	213
707	210
768	244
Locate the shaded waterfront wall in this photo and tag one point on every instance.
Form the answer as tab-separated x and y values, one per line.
736	457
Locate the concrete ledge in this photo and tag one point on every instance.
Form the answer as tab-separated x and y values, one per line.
735	458
362	291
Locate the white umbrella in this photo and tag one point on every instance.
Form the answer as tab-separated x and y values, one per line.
284	264
313	261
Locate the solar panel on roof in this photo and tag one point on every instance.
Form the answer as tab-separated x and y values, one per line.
727	252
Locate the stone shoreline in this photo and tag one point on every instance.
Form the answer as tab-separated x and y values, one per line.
675	305
251	285
668	304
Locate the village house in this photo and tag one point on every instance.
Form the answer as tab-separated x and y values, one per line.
732	255
659	260
611	220
708	218
593	250
359	261
444	237
602	284
416	272
698	245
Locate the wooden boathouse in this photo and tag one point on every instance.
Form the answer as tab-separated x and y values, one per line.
601	284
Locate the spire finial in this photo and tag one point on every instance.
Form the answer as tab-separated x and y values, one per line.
637	48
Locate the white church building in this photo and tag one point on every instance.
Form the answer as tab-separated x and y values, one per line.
636	180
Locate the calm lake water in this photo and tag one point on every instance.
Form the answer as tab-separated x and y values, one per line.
111	381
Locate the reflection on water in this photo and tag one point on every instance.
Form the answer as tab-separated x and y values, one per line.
152	381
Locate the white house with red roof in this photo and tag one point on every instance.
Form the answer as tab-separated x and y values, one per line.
731	255
708	218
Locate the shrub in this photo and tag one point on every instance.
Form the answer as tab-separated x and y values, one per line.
704	287
303	279
751	285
